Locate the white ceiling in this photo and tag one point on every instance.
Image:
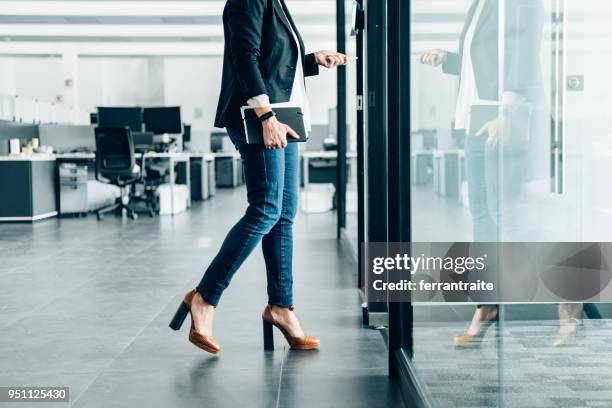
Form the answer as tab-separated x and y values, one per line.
138	28
184	27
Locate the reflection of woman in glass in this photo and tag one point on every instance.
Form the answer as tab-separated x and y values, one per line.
495	117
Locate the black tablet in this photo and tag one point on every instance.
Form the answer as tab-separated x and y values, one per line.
290	116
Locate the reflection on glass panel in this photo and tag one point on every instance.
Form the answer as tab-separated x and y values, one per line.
510	141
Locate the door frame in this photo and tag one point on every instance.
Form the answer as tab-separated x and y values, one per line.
398	96
375	143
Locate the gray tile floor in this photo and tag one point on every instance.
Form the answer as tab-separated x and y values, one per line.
86	304
516	366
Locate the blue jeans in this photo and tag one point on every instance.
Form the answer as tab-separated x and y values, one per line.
271	177
494	175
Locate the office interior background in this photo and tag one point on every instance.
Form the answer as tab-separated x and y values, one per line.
86	298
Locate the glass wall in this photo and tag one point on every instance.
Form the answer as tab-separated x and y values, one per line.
353	123
509	141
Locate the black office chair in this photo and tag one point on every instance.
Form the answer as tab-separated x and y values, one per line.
116	164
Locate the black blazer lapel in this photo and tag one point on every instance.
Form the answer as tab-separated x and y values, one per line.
488	12
468	20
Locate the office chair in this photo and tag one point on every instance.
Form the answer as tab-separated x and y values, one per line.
116	164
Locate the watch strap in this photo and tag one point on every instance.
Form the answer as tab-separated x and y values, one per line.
266	116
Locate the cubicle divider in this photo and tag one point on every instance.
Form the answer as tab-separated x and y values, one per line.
68	138
12	130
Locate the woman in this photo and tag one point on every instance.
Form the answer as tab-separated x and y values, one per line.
264	62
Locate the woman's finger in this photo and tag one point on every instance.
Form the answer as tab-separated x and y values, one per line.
482	130
283	137
292	133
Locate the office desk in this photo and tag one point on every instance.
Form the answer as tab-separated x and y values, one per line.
173	159
323	154
28	183
421	167
202	168
76	156
228	169
27	188
211	181
448	172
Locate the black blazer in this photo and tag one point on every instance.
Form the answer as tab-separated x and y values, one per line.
523	23
260	56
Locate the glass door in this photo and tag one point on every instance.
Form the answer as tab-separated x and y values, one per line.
547	350
453	182
510	141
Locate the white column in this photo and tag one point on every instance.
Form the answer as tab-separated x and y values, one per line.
156	93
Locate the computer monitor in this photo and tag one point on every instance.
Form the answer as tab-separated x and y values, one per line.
425	139
216	141
117	117
186	133
143	141
163	120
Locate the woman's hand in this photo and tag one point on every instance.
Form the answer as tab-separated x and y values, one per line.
330	59
275	134
434	57
494	128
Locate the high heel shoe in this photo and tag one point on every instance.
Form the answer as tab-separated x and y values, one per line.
567	336
206	343
467	340
296	343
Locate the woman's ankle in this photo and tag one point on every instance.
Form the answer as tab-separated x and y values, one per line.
487	312
200	303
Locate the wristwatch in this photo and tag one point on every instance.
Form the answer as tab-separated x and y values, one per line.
266	116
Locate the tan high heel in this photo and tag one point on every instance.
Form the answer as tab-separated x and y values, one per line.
466	340
570	324
567	337
206	343
296	343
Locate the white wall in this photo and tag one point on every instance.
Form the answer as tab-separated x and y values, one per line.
37	78
114	81
8	75
193	83
433	96
322	95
